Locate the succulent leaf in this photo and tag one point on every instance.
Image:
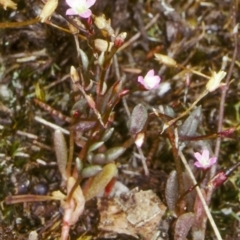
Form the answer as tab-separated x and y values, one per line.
190	125
95	146
60	147
100	181
90	171
113	153
183	225
171	192
138	119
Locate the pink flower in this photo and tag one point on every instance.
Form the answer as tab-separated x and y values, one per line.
149	81
203	161
80	7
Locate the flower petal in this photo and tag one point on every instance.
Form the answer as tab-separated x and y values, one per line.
150	73
205	154
140	80
156	79
197	164
198	156
152	82
212	160
203	160
71	11
86	14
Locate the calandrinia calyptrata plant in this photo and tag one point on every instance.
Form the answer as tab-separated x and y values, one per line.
94	112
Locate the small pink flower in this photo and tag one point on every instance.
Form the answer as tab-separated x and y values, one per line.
203	161
80	7
149	81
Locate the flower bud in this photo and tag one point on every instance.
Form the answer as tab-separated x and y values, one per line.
165	60
8	3
101	21
217	180
103	24
48	10
214	81
139	139
74	74
102	45
119	40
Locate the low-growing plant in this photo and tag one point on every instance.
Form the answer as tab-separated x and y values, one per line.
89	162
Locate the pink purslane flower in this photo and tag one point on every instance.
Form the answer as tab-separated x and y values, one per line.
80	7
149	81
203	161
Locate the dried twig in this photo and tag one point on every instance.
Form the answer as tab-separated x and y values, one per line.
49	124
225	89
